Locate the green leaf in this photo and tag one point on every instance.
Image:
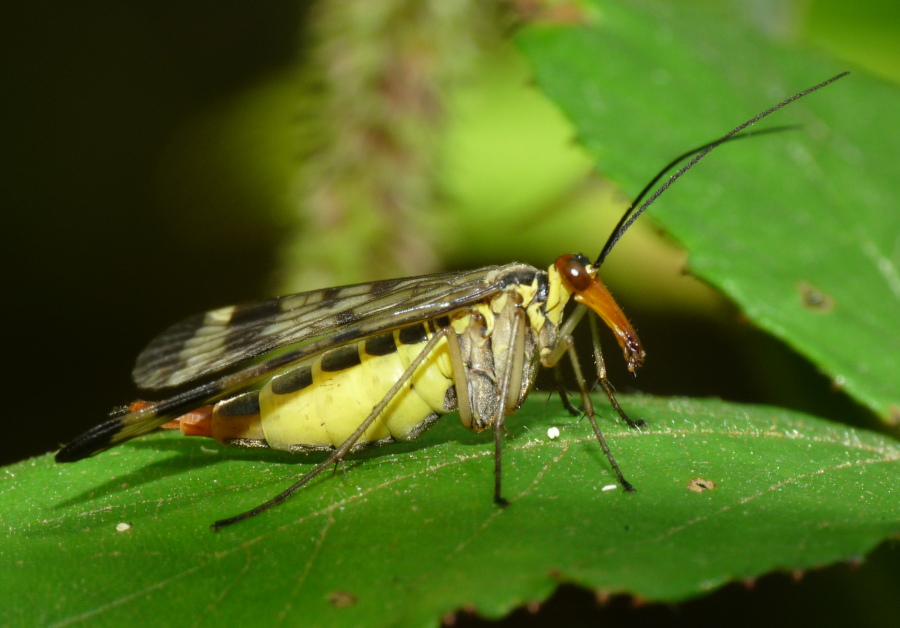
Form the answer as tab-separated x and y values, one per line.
410	533
799	228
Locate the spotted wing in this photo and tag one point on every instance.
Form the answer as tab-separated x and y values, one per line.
210	342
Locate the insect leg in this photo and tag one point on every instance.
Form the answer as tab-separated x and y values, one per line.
563	393
601	376
557	352
458	366
498	470
565	344
508	396
338	454
589	411
515	363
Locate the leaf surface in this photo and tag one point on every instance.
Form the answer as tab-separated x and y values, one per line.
408	534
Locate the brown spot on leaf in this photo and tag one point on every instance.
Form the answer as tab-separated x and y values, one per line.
341	599
814	299
700	485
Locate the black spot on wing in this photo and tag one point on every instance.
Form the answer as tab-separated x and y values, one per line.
252	312
241	405
245	319
346	317
330	294
341	358
162	354
380	287
292	381
414	335
381	345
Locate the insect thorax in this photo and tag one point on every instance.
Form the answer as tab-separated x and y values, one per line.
501	340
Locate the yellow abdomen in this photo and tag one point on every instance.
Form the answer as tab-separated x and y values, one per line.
318	405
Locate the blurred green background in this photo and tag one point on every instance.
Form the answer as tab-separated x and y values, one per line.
167	159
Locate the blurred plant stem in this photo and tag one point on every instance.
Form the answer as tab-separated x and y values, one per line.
374	76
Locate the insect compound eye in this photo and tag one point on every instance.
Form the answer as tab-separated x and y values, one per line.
573	271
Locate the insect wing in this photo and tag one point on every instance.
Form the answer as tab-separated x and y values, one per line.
343	315
210	342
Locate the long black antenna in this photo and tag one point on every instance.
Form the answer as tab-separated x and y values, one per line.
632	214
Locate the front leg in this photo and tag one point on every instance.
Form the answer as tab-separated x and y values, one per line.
565	344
